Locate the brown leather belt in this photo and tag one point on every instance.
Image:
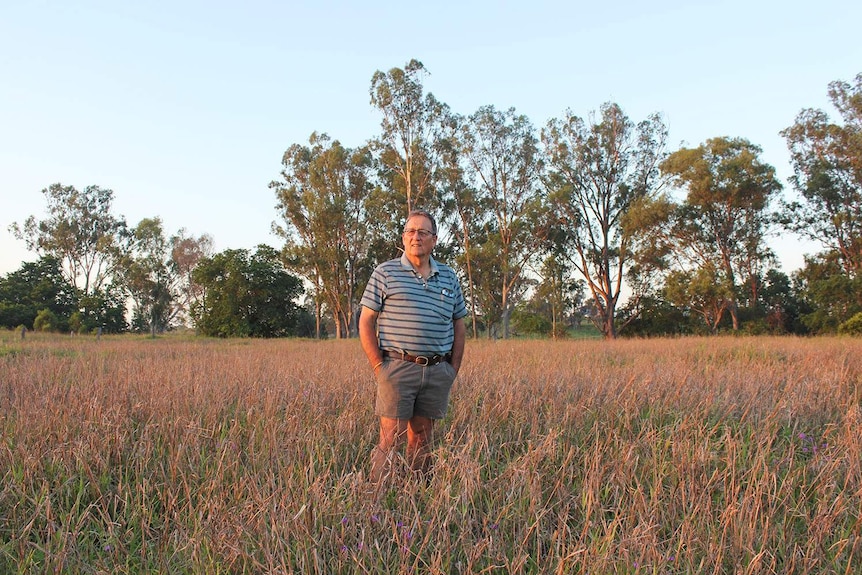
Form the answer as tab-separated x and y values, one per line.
420	359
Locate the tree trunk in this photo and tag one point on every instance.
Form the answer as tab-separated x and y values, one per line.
471	287
609	328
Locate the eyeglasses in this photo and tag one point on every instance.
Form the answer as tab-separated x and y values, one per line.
419	232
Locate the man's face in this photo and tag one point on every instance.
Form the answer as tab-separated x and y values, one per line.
418	238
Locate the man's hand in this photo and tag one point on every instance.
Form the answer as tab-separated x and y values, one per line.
368	338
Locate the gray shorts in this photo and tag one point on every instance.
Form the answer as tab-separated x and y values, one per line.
405	389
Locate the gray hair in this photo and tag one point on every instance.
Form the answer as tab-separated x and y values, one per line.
424	214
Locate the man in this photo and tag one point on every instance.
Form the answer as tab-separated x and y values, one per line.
412	331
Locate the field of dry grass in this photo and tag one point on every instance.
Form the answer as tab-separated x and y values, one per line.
722	455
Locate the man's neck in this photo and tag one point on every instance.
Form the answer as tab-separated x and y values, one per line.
421	265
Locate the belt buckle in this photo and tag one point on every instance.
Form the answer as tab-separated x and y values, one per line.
422	360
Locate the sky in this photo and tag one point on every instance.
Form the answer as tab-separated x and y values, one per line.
184	109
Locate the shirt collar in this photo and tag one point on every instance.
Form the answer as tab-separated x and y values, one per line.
405	263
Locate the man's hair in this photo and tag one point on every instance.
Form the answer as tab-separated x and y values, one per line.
425	214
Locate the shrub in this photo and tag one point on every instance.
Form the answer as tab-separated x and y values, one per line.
46	320
528	323
852	326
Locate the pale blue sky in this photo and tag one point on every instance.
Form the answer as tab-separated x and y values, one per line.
184	109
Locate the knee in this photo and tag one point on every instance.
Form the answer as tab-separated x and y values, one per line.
391	441
418	440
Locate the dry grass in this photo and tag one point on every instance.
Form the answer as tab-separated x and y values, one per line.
662	456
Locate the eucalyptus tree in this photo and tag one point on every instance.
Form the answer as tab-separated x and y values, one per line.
722	223
502	156
186	253
82	232
322	202
461	210
410	126
702	291
558	294
147	276
487	278
598	169
827	174
156	273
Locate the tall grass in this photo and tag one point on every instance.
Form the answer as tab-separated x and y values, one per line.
660	456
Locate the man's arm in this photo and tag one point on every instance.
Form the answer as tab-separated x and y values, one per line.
368	337
458	343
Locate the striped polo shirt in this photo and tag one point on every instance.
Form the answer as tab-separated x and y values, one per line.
415	314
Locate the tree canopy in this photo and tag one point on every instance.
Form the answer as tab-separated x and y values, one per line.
721	225
247	294
81	231
35	287
827	174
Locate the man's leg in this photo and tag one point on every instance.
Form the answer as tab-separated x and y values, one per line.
392	435
420	434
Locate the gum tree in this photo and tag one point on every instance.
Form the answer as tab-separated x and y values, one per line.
827	174
322	201
186	252
503	163
81	232
598	169
721	224
147	275
157	273
462	212
410	126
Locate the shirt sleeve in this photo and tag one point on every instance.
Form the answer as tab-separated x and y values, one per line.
375	291
460	308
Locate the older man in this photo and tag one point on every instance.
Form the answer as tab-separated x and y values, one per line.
412	331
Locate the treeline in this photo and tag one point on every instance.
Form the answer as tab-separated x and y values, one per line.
584	219
96	273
